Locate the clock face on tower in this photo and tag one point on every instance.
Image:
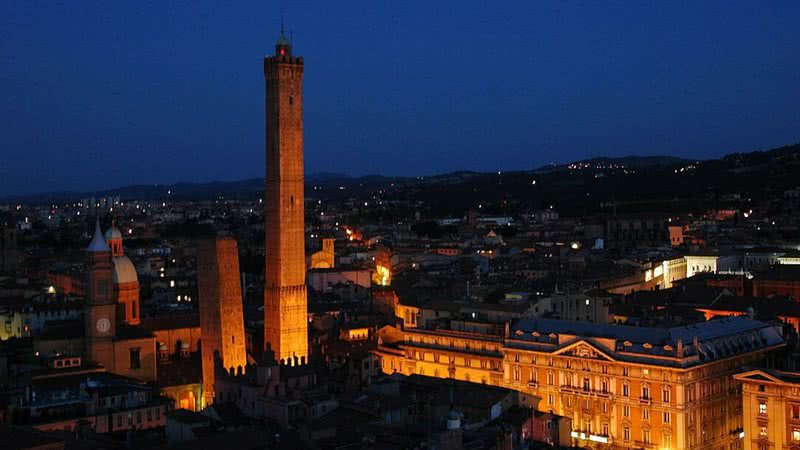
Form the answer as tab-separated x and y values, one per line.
103	325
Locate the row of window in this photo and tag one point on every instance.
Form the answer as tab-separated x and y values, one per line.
666	438
151	414
666	392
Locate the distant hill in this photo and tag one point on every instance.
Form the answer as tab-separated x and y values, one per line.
631	162
580	187
658	184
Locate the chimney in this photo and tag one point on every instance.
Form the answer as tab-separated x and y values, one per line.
680	348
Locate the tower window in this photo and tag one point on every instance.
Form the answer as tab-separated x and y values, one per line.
134	358
291	99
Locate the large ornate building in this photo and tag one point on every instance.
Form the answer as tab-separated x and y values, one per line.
623	387
285	297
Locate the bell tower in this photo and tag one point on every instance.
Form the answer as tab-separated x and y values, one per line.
285	301
100	308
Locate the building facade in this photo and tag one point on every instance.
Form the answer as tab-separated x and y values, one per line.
771	407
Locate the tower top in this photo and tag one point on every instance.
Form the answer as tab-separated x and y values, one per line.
283	47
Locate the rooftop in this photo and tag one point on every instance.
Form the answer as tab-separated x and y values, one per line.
685	345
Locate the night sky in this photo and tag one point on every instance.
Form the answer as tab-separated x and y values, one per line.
99	94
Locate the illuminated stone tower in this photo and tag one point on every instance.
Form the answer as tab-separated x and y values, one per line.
100	308
285	302
221	319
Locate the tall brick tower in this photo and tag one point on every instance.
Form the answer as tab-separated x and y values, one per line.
285	302
221	319
100	308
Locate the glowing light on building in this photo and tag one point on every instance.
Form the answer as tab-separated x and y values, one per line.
383	275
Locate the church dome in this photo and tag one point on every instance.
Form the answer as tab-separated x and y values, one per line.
113	233
124	270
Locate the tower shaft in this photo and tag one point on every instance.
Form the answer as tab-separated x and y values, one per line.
221	317
285	297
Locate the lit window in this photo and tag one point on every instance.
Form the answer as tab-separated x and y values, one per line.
762	408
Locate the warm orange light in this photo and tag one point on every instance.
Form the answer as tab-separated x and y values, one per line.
382	276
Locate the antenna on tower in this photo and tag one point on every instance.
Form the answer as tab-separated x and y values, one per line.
282	34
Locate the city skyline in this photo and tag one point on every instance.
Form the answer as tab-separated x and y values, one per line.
637	302
128	107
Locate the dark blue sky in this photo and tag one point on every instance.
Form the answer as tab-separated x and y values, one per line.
97	94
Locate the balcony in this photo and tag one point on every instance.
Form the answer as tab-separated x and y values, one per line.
643	444
645	400
567	389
